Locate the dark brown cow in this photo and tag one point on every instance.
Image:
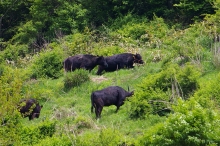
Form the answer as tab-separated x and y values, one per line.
112	95
30	108
86	61
119	61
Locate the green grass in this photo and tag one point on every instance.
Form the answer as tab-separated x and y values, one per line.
72	109
67	106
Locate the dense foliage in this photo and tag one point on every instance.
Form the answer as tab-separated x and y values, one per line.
191	124
176	92
159	91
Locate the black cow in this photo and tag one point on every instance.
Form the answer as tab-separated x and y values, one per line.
30	108
87	62
119	61
112	95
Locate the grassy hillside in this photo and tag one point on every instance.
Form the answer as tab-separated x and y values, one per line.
181	68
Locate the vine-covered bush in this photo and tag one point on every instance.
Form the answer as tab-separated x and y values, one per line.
76	78
158	91
191	124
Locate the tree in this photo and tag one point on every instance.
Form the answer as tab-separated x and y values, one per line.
12	13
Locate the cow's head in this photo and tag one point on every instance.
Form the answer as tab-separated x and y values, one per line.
138	59
101	61
131	93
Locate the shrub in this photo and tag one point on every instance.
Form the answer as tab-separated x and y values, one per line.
61	140
209	91
78	43
76	78
106	137
13	52
47	64
160	90
30	135
10	92
189	125
109	50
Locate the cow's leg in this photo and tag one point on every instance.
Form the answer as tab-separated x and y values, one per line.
99	112
92	109
118	106
30	117
120	103
100	70
33	116
96	112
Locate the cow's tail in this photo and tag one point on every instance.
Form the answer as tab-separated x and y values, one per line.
92	102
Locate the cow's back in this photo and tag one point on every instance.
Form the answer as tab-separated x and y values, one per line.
116	62
107	96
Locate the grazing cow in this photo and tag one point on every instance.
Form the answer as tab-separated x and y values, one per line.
119	61
87	62
30	108
112	95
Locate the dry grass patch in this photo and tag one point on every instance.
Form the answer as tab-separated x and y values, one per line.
98	79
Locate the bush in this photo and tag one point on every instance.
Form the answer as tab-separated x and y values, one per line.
14	52
190	125
78	43
33	134
160	90
76	78
109	50
106	137
47	64
209	91
11	82
61	140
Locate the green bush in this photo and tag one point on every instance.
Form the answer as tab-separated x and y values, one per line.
11	82
209	91
30	135
14	52
108	50
76	78
106	137
158	91
190	125
78	43
47	64
61	140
